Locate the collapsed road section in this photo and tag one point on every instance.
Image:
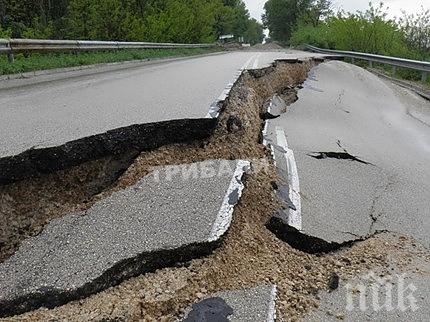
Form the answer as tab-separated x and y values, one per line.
360	158
167	218
249	246
54	126
28	205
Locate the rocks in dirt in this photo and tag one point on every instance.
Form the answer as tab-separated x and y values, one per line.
333	283
234	124
171	216
255	304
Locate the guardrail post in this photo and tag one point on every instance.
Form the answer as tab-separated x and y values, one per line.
370	64
353	60
424	77
10	57
394	71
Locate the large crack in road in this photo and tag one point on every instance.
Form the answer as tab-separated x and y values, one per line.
250	254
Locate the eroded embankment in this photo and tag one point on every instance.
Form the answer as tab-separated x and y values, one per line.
250	254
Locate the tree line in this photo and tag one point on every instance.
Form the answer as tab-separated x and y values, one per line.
297	22
185	21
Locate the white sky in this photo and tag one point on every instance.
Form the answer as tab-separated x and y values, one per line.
255	7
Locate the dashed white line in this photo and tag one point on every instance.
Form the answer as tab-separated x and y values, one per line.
214	108
255	65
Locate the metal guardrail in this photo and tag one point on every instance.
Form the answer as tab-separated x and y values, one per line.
418	65
4	46
12	46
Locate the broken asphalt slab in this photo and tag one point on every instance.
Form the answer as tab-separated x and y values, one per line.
71	121
128	140
361	158
255	304
171	216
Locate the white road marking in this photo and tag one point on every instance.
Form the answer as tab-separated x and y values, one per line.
247	63
214	109
271	315
266	143
295	216
255	65
225	213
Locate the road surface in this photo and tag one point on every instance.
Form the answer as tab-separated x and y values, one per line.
174	214
362	151
52	114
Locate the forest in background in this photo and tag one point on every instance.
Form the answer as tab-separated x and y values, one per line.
297	22
179	21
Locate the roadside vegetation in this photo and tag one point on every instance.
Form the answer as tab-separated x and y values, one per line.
177	21
27	63
372	31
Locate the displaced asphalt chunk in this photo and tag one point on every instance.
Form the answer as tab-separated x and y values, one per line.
256	304
171	216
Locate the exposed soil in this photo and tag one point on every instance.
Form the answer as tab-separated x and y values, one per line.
267	46
27	206
250	254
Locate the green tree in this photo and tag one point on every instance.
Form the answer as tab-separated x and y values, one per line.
139	20
416	28
254	33
78	19
370	31
281	17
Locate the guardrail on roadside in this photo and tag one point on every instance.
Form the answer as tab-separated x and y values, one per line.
421	66
12	46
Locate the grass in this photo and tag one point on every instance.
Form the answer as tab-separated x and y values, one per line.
401	73
32	62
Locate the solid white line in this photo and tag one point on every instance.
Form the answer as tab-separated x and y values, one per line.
295	216
266	143
225	213
271	316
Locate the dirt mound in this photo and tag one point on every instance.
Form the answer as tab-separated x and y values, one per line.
268	46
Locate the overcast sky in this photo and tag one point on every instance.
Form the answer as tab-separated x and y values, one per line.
255	7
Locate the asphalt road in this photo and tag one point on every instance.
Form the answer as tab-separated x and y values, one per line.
172	215
345	111
54	113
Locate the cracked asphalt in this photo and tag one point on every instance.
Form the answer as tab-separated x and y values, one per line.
169	216
54	113
345	109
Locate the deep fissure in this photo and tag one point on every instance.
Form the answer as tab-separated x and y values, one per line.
250	255
311	244
235	137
